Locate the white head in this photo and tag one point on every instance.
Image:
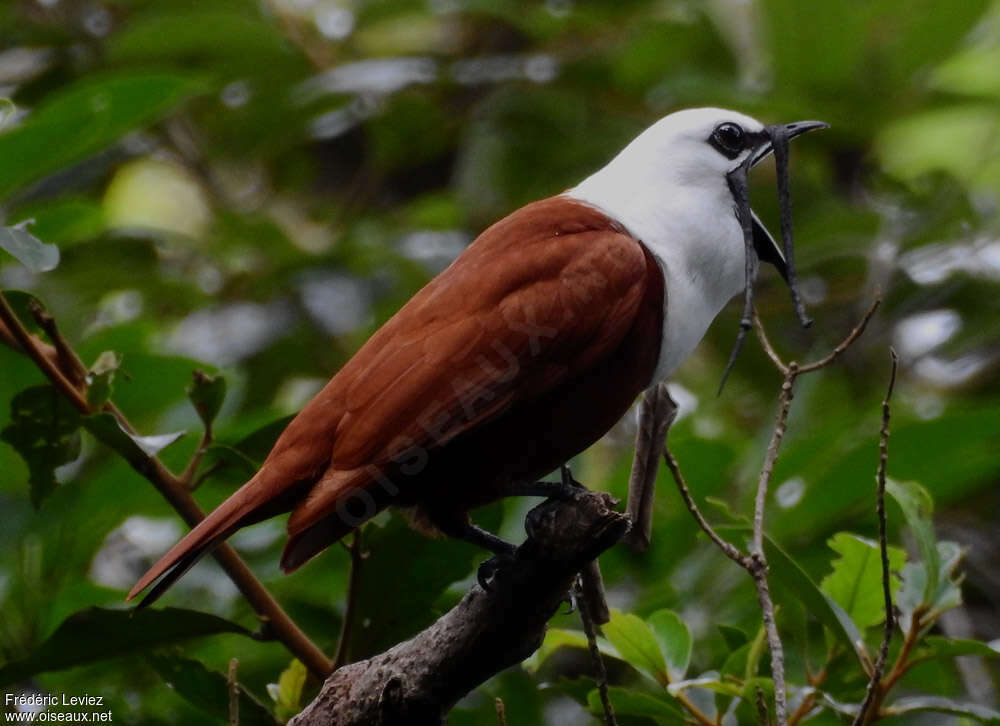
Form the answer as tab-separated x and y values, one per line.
673	177
687	151
670	188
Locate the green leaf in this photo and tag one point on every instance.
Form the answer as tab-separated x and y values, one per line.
627	702
918	508
788	572
135	449
209	690
287	692
913	597
940	704
734	637
710	680
207	394
910	598
96	634
101	378
556	638
949	591
674	640
936	646
637	644
45	431
85	118
856	581
27	248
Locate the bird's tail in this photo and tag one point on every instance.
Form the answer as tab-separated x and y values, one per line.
244	507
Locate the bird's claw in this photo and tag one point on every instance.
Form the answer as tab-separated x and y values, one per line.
488	571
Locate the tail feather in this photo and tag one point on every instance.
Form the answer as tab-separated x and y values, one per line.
227	518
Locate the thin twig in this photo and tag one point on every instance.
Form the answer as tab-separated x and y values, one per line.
234	694
771	457
759	573
883	462
171	488
188	477
761	707
756	562
70	363
846	342
592	584
730	550
358	556
766	344
47	366
595	654
501	711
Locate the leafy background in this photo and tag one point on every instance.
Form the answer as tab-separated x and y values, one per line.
252	188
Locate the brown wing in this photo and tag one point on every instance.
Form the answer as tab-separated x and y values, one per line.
540	296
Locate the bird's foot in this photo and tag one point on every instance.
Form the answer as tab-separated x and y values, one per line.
491	568
567	489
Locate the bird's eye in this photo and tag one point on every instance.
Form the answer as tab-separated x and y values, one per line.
728	138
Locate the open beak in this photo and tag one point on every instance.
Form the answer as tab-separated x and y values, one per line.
767	248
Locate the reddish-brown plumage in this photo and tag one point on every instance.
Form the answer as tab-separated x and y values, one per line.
517	357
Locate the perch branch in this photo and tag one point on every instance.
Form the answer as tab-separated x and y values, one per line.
600	672
358	556
883	462
755	562
418	681
173	490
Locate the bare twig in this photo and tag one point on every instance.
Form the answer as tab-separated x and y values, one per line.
358	556
267	608
759	573
234	694
69	362
501	712
761	704
755	562
600	671
846	342
50	368
765	343
771	457
592	592
730	550
188	477
655	420
863	716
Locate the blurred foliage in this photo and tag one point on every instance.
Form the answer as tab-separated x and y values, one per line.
252	188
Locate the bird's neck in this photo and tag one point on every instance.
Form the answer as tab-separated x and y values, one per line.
692	232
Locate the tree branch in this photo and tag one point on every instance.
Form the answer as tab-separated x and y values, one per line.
755	561
418	681
276	620
874	682
600	672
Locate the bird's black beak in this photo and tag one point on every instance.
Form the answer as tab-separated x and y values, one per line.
767	248
771	139
790	131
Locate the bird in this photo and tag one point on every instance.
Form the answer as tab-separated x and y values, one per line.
523	352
